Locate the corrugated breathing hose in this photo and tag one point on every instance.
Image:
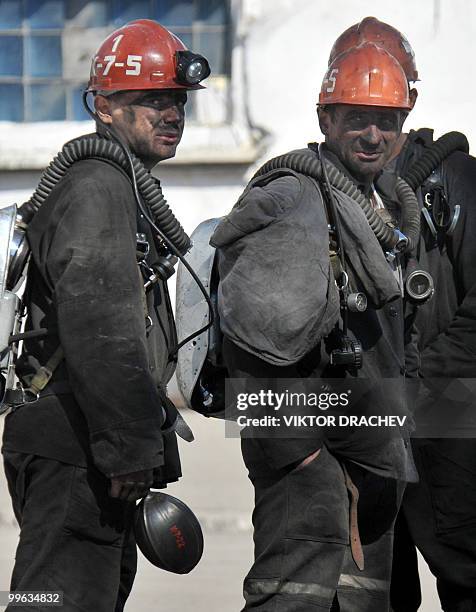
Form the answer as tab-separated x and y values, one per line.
433	155
309	164
96	146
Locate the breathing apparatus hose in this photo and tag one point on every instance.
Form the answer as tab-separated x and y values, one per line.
171	246
145	187
433	155
96	146
410	212
311	165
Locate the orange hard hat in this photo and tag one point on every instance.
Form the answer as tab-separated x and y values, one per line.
382	34
145	55
366	75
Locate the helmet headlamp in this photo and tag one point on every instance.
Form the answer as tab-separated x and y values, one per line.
191	68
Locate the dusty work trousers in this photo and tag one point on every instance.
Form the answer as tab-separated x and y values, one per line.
303	560
74	538
438	515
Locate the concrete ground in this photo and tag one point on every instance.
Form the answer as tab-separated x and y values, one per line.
217	489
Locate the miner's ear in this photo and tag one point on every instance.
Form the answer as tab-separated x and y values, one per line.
102	104
325	119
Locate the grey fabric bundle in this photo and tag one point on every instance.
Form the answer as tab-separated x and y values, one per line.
367	267
277	296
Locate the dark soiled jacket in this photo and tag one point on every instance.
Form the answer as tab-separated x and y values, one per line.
84	287
447	323
440	510
283	251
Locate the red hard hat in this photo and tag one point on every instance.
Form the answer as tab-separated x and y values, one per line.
382	34
366	75
141	55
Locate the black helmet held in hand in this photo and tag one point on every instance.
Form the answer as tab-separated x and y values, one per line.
168	533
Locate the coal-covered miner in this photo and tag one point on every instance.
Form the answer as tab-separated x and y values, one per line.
97	436
292	306
437	514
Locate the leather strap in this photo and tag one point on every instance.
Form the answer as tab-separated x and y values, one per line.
355	543
174	420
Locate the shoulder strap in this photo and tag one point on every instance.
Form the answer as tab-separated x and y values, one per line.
44	373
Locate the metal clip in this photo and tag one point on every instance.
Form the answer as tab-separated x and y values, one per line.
437	213
29	395
454	221
429	220
149	275
345	282
142	245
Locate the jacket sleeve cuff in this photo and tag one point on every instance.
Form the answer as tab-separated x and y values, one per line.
128	447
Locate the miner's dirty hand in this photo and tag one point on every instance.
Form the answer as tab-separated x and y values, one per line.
130	487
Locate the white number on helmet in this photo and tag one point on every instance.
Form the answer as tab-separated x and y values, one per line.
116	42
332	80
94	66
134	61
109	59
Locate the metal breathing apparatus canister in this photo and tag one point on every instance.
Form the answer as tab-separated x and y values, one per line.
13	256
419	285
